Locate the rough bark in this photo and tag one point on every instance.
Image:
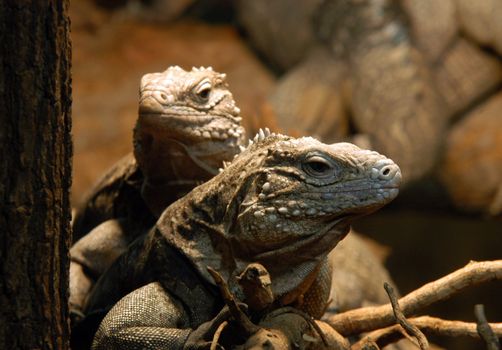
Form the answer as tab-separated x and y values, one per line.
35	174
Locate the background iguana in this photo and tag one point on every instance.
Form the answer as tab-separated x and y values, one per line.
187	126
395	71
283	202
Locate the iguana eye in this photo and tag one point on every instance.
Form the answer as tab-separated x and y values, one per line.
203	90
318	166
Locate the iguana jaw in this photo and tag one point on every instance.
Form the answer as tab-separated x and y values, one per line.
183	147
193	128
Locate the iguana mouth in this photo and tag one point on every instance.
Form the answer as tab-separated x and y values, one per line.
198	128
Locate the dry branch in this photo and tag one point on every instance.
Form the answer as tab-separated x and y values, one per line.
430	326
217	335
371	318
484	330
247	327
408	327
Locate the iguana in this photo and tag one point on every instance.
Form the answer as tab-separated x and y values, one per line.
188	125
282	202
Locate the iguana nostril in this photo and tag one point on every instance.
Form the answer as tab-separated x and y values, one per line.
163	96
386	172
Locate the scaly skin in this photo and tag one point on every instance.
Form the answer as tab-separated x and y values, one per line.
187	126
284	203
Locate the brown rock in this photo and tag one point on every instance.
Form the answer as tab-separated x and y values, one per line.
471	168
465	73
280	30
309	99
481	20
431	19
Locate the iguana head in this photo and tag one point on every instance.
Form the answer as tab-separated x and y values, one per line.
191	107
297	190
285	203
188	124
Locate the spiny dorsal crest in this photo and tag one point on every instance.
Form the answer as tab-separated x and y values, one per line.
264	138
225	165
261	136
220	77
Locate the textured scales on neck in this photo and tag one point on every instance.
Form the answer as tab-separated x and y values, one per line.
282	202
188	125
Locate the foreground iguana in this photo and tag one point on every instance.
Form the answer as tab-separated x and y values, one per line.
188	125
283	202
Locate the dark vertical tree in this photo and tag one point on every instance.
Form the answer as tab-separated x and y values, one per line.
35	173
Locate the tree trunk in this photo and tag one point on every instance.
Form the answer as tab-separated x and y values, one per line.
35	173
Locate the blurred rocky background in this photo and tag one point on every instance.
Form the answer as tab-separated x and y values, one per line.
418	80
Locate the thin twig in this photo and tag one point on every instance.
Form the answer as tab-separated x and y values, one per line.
247	327
370	318
217	334
401	319
428	325
484	329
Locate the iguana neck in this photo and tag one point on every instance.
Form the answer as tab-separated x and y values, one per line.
170	168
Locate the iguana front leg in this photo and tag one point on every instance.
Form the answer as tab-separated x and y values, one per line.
148	318
151	318
93	254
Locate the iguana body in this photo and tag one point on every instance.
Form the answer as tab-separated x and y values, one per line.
283	202
188	125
